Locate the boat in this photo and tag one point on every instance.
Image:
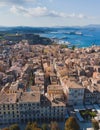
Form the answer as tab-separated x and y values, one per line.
64	42
74	33
78	33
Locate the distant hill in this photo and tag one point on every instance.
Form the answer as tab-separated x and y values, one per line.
22	29
93	26
25	29
4	28
16	34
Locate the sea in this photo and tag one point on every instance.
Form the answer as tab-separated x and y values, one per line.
80	37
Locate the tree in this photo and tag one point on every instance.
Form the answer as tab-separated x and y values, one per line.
44	127
37	129
73	47
54	126
55	44
95	124
32	126
14	127
71	124
28	126
5	128
64	46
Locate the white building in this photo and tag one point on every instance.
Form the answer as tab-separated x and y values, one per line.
30	106
74	92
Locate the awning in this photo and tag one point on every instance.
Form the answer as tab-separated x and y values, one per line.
89	106
78	108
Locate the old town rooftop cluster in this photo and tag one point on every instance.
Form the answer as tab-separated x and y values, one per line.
38	82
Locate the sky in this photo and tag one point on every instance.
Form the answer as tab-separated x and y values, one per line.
43	13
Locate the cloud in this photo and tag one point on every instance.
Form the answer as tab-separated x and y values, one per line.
18	10
44	12
80	16
36	12
18	7
15	2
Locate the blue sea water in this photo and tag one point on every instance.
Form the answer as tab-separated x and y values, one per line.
80	37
